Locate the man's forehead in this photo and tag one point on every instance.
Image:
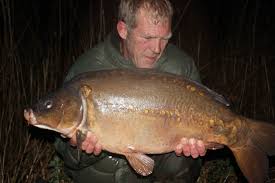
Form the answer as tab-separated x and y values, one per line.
161	30
150	35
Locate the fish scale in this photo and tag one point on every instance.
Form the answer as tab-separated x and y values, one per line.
139	112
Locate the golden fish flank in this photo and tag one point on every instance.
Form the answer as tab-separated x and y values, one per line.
97	101
165	113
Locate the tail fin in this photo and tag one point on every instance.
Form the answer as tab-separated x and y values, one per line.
263	135
252	157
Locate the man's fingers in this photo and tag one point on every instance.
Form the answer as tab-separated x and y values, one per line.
185	146
178	149
84	145
186	150
91	138
97	149
193	151
201	148
193	148
88	144
90	148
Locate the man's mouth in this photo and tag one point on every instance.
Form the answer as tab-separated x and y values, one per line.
151	59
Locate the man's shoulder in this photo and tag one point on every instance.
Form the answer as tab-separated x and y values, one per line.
96	52
177	55
179	62
176	59
92	59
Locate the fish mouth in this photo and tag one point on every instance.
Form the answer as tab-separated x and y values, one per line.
31	120
30	117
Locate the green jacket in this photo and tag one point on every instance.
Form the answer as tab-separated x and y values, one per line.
106	55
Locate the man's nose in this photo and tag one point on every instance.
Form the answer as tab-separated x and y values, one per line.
156	46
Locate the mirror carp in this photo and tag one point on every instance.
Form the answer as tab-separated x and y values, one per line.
139	112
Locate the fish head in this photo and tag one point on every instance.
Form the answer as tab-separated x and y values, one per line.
61	111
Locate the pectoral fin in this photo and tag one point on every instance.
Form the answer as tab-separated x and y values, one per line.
141	163
80	137
86	90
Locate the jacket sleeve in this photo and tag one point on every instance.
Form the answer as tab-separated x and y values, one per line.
92	60
73	157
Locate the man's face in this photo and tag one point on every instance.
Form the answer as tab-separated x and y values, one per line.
146	42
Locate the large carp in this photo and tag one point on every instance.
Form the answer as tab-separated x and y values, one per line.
138	112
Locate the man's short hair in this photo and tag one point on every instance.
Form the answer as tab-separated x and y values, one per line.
159	9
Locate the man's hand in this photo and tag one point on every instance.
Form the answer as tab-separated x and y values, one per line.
192	147
89	145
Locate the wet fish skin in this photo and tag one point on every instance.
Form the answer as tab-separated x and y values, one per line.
135	112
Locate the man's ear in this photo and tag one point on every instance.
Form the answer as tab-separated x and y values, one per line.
122	29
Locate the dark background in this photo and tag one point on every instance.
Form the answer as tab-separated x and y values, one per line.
232	43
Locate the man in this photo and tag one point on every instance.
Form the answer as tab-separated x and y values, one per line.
141	41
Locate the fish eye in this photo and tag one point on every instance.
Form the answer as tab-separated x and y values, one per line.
48	104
